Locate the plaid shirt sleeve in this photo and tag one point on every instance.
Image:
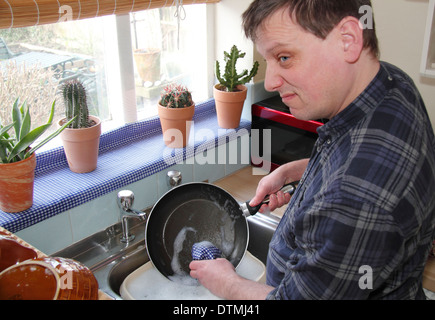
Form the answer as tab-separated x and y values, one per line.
362	220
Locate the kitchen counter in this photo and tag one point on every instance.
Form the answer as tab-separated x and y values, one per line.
242	185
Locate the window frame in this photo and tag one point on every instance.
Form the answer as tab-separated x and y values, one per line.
122	82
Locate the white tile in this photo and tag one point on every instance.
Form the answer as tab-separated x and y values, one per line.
50	235
93	216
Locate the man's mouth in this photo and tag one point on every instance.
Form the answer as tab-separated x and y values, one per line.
286	98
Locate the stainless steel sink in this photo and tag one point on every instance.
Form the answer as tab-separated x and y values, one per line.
112	261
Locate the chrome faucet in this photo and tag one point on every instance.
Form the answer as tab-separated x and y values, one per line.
125	203
174	178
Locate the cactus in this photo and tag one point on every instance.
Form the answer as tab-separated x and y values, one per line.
176	96
231	79
75	101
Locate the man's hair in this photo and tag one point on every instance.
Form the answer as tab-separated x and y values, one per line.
318	17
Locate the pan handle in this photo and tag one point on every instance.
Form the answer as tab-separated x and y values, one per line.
247	210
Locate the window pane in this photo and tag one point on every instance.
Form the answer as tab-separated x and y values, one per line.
41	58
166	52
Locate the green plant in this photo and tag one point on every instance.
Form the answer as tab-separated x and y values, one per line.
176	96
76	106
231	79
17	148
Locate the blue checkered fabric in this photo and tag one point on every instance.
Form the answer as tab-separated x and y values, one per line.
205	251
126	155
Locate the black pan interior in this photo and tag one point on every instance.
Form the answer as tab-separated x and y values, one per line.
191	213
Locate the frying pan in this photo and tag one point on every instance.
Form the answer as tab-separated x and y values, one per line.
195	212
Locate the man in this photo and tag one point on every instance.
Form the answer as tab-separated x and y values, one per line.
362	219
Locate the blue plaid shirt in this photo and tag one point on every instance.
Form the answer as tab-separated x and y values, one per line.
362	220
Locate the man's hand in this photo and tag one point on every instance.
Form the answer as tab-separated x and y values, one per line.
220	278
271	183
215	275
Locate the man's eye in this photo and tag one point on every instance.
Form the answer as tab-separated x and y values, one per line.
284	59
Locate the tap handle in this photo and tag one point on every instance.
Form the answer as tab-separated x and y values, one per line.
173	178
125	199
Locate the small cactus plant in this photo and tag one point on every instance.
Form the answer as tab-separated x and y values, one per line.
176	96
231	79
75	101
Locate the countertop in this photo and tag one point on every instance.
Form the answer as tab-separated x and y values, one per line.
242	185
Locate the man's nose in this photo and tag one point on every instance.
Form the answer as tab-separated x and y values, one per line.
273	81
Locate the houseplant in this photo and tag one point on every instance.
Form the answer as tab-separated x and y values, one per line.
81	138
17	158
176	109
230	93
148	64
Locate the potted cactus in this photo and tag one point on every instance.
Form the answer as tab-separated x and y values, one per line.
81	138
176	109
230	93
18	160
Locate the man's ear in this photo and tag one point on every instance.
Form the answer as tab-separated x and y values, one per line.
351	36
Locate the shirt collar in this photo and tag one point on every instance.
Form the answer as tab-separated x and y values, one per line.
367	101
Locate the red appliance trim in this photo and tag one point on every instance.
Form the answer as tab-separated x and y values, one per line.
284	118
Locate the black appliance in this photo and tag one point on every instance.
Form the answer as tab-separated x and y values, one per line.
289	138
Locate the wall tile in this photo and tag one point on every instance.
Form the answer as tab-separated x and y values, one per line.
49	235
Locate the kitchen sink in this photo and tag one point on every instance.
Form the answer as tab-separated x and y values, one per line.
111	261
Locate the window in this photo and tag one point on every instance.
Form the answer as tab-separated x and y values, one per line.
162	57
43	57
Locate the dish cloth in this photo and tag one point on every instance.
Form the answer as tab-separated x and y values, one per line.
205	251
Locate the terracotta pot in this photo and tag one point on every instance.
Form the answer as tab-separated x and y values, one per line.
48	279
229	106
81	146
16	184
148	64
175	124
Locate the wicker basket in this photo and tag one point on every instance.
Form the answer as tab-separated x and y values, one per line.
48	279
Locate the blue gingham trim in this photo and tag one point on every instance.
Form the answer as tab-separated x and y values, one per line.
126	155
205	251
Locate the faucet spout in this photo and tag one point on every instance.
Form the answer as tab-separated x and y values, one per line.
125	203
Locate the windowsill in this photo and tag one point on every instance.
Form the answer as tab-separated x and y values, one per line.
127	154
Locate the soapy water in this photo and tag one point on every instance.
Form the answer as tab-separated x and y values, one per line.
148	283
180	275
153	285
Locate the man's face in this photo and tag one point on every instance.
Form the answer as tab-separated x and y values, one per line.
309	73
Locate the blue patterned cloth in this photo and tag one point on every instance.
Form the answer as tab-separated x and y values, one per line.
126	155
205	251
